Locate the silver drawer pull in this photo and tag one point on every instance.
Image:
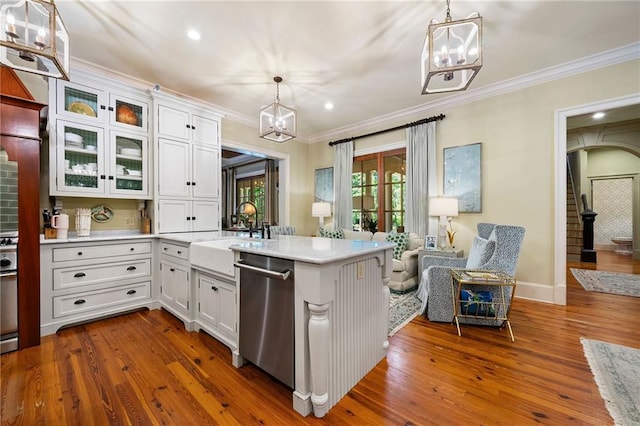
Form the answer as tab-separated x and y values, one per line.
79	302
284	275
131	292
79	275
131	268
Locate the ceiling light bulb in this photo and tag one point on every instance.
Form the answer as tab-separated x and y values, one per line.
193	35
10	29
598	115
328	106
40	38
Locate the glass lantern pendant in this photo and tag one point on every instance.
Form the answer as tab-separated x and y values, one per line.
277	122
451	54
34	38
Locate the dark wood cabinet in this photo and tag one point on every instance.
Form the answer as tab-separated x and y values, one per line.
20	138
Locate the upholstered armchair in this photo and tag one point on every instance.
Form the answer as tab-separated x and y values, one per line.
496	248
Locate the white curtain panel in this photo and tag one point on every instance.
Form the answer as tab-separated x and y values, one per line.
421	178
342	170
270	200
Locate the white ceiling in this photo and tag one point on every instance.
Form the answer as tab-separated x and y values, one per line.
363	56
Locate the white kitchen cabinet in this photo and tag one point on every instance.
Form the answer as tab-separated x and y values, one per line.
117	167
175	291
188	171
188	216
188	165
217	307
180	122
89	280
99	139
95	103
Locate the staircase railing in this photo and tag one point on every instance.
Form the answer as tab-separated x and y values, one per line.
573	188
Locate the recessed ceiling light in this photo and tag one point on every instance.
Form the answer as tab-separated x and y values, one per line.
328	106
598	115
193	35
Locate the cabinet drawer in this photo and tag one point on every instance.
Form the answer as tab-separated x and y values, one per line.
95	252
174	250
101	299
95	274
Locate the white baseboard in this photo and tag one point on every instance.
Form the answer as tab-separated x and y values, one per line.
537	292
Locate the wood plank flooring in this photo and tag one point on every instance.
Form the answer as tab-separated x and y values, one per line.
145	369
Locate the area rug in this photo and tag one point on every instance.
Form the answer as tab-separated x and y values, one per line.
608	282
616	370
402	309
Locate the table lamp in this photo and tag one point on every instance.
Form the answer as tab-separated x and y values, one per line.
446	208
248	209
321	210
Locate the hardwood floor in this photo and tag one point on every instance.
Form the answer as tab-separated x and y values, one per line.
144	368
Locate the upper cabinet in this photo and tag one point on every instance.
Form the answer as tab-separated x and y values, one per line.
187	164
95	105
99	139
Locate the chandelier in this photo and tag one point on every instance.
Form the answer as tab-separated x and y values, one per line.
34	38
452	54
277	122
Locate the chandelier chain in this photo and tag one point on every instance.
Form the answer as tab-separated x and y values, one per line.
448	19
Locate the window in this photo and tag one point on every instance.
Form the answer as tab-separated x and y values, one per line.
379	204
252	189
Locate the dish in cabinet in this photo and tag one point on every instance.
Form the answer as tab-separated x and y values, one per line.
101	213
81	108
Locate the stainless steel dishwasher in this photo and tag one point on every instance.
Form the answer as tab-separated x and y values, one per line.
266	314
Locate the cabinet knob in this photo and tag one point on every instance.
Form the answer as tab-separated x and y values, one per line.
110	177
165	248
103	107
103	177
131	268
188	183
132	249
80	275
131	292
110	108
79	253
214	288
193	184
79	302
179	251
188	218
193	218
172	269
193	127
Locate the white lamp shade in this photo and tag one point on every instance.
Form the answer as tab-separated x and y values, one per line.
321	209
443	206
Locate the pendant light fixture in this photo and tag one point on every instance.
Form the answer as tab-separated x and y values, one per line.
451	54
277	122
33	38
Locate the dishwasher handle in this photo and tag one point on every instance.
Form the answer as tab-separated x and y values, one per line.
284	275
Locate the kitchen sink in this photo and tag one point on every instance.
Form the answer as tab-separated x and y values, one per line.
215	256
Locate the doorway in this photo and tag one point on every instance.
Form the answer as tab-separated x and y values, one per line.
560	220
246	154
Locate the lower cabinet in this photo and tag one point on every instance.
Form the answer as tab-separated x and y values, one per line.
175	291
217	307
85	281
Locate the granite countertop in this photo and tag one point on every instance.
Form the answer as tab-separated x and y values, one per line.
310	249
183	237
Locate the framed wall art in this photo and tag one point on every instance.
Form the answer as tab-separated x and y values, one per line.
324	185
463	176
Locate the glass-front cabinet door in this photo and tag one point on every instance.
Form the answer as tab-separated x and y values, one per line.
129	162
128	113
79	102
80	158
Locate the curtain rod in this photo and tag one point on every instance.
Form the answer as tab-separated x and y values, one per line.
404	126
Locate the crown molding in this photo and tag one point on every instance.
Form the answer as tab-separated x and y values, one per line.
601	60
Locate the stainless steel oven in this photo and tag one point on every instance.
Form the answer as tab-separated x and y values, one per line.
8	292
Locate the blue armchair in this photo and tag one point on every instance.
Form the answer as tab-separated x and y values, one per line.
496	248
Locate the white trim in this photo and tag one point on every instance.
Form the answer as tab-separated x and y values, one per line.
560	244
535	291
608	58
284	165
380	148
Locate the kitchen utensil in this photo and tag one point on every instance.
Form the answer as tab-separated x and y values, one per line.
61	223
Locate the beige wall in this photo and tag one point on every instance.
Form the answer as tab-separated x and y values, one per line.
517	131
609	162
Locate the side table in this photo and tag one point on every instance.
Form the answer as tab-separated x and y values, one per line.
444	253
489	298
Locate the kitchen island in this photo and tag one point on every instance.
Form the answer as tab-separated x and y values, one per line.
341	312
